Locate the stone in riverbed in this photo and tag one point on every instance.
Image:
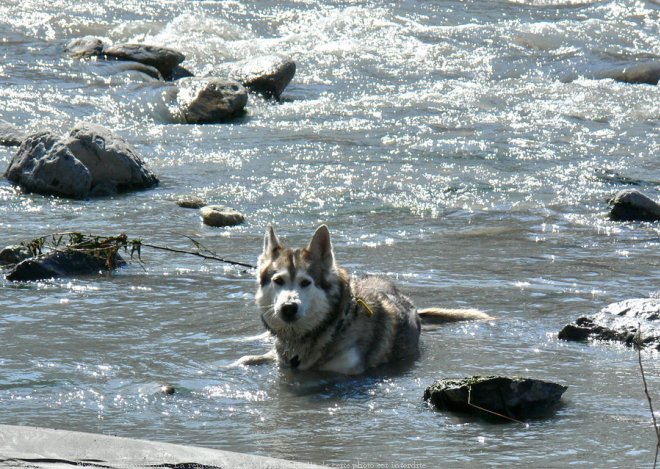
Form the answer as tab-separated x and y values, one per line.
85	47
164	59
267	75
210	100
619	322
191	201
60	264
13	254
90	161
643	73
632	205
517	398
216	215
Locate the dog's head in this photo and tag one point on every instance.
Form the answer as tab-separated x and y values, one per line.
297	287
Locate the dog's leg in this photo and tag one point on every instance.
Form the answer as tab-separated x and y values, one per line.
256	338
270	356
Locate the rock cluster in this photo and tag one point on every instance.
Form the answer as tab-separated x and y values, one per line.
620	322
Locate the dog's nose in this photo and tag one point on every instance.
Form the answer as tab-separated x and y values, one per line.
289	311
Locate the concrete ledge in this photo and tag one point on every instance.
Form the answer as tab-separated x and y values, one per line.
45	448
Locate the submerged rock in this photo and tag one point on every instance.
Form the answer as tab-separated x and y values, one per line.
60	264
642	73
632	205
210	100
215	215
517	398
14	254
85	47
164	59
267	75
90	161
619	322
10	136
191	201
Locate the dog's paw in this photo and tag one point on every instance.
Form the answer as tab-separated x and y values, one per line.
249	360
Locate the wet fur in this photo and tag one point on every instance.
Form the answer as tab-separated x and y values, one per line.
331	329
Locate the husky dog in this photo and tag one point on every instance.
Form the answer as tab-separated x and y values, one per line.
324	320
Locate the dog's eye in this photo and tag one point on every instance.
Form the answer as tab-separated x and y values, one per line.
278	281
305	283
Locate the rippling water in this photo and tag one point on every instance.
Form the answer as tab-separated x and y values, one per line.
443	142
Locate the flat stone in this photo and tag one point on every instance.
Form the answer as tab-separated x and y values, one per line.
619	322
162	58
210	100
517	398
191	201
215	215
45	448
632	205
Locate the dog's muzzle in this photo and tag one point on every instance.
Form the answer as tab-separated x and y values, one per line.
289	311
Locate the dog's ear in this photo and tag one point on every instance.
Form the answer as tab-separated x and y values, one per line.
271	242
321	248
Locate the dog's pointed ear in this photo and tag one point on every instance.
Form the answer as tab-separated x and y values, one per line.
271	242
321	248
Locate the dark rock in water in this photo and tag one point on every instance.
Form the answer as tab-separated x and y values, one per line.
14	254
643	73
110	159
90	161
632	205
191	201
267	75
517	398
619	322
180	72
164	59
60	264
10	136
167	389
84	47
45	166
210	100
215	215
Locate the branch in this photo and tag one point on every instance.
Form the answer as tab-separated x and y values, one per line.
638	346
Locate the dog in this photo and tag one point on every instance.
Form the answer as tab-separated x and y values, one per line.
324	320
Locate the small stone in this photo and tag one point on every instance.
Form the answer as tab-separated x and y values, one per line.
84	47
215	215
167	389
268	75
191	201
210	100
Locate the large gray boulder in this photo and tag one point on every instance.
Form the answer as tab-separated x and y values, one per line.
619	322
46	166
517	398
267	75
111	160
632	205
164	59
210	100
90	161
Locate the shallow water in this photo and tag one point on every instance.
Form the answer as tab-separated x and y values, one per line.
441	143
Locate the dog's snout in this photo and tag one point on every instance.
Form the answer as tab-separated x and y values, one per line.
289	311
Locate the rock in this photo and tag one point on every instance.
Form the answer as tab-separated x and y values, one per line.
643	73
180	72
164	59
619	322
517	398
10	136
167	389
85	47
45	166
14	254
60	264
210	100
191	201
632	205
114	165
215	215
90	161
267	75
